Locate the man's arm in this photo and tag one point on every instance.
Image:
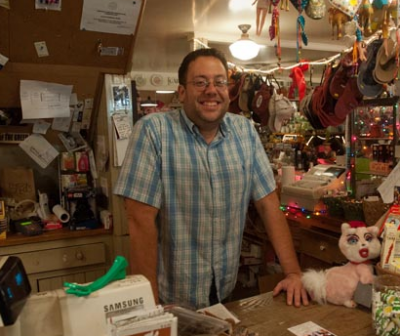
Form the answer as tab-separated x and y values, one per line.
279	234
143	240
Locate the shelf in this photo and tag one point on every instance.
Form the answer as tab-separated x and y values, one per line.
380	101
375	139
19	239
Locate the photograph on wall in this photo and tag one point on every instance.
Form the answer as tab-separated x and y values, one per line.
121	97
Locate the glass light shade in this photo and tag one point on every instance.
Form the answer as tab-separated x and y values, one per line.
244	49
165	91
149	103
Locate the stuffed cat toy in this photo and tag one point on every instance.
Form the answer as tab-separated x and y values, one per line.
337	285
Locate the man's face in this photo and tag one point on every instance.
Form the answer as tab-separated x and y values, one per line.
205	106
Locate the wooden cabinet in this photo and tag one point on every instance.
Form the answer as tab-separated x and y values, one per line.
319	249
75	259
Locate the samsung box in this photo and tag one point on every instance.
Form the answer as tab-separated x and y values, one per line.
90	315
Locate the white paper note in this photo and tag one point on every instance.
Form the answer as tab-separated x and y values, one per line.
310	329
117	16
386	188
44	100
39	149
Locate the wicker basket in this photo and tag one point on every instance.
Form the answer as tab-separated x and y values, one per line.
382	271
374	210
353	210
334	206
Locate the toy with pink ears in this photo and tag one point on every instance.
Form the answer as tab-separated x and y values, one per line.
337	285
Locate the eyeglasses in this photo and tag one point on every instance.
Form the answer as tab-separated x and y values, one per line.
201	84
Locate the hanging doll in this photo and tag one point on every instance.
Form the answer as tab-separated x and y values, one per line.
262	7
298	81
337	285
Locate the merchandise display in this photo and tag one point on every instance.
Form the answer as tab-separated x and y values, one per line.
322	94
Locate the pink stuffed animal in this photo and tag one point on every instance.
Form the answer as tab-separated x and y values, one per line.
337	285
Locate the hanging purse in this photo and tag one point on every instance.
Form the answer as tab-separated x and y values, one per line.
316	9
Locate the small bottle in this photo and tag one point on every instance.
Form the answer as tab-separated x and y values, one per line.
83	162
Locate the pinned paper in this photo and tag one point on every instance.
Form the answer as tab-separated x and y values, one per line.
116	17
39	149
41	49
5	4
122	125
3	61
44	100
48	5
41	127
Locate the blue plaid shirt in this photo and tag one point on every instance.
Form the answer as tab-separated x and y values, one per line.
202	191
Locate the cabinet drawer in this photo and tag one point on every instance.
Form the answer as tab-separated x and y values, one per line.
321	246
63	258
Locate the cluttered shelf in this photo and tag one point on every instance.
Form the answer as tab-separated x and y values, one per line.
65	233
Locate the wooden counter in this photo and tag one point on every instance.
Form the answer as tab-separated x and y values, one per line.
19	239
271	316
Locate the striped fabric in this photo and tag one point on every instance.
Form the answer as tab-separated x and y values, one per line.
202	192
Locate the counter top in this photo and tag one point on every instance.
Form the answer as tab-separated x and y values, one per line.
18	239
271	316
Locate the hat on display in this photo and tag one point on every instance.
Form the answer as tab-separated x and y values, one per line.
280	109
365	80
340	78
386	66
349	100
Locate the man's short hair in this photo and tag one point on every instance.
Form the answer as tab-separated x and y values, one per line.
192	56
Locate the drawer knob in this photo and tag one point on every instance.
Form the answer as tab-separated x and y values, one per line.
79	255
322	247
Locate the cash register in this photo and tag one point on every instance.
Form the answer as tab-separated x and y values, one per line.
14	289
317	182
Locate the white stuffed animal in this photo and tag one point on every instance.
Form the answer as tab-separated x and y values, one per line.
337	285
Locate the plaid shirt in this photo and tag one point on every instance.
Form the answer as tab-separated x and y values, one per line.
202	191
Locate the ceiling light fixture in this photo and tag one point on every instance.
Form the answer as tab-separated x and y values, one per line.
149	103
165	91
244	48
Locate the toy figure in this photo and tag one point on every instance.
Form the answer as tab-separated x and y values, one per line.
262	7
365	13
337	19
337	285
285	5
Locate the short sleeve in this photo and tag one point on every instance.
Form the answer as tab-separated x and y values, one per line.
140	177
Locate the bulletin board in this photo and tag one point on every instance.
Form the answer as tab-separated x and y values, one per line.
74	56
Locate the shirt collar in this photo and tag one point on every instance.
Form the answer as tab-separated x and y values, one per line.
223	127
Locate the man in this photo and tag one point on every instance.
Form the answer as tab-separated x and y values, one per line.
187	179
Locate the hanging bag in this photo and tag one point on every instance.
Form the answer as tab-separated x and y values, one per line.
234	93
315	9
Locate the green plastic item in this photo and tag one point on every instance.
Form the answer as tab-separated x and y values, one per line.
116	272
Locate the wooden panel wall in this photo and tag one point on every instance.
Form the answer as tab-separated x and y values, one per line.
73	54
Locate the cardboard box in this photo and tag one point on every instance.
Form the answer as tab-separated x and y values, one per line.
17	183
96	310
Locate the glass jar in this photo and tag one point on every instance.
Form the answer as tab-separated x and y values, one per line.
386	305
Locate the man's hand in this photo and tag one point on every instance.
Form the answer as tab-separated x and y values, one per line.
295	291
